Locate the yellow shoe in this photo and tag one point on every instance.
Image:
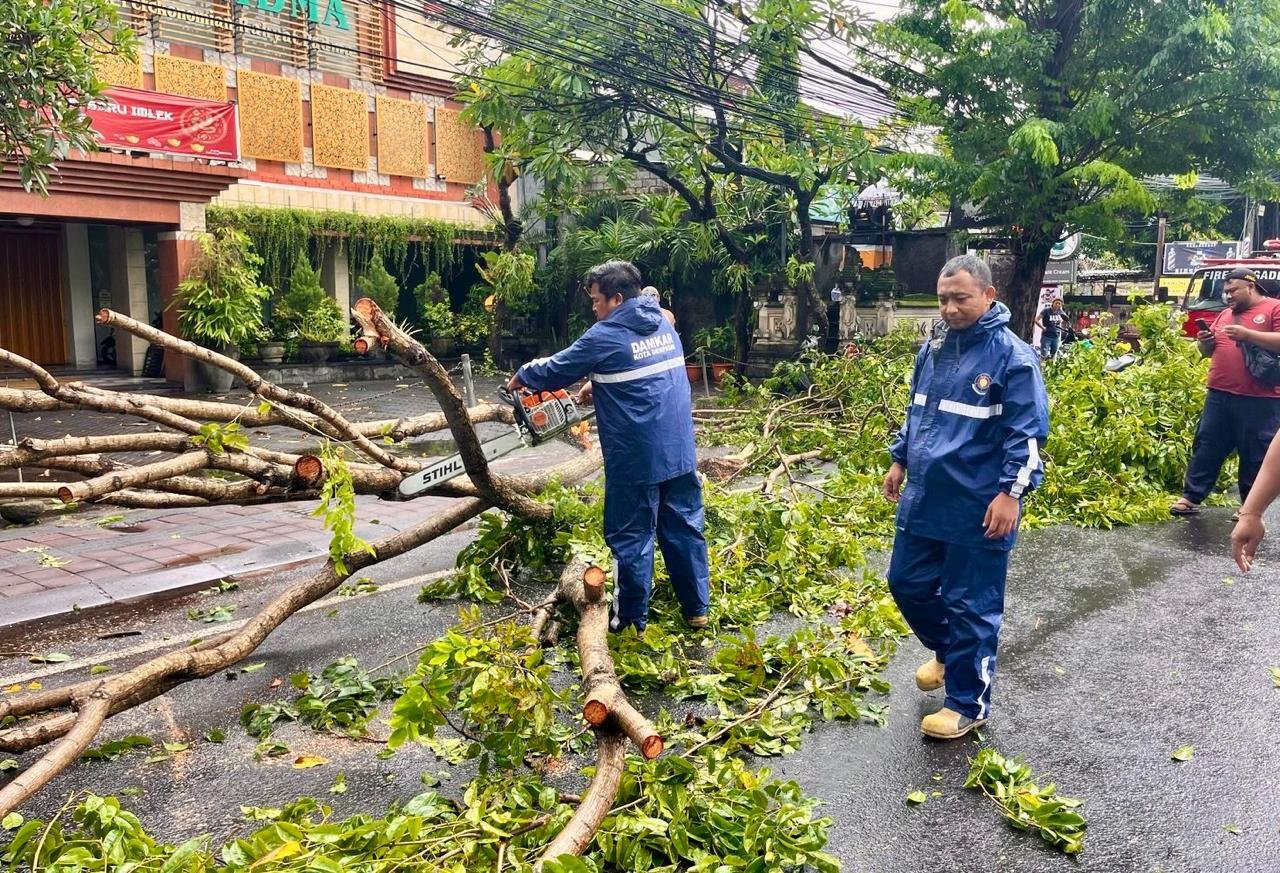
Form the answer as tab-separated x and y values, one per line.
931	676
947	724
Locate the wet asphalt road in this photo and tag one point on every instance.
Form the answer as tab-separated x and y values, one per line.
1118	647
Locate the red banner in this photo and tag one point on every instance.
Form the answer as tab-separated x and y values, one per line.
125	118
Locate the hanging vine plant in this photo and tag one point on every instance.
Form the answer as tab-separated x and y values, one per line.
279	234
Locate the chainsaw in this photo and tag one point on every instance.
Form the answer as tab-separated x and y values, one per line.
539	417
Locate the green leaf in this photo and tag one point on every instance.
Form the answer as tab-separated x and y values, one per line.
916	797
215	736
1183	753
253	668
12	821
1232	829
99	669
50	658
183	855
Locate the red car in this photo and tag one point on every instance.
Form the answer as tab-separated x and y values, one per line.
1203	299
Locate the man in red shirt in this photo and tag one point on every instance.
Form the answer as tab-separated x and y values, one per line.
1240	412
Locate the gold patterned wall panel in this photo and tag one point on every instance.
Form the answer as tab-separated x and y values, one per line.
402	137
190	78
459	148
118	70
339	128
270	117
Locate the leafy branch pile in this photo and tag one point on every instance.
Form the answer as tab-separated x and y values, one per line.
1117	449
1011	785
485	693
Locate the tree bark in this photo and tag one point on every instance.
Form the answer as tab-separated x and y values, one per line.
1022	295
259	386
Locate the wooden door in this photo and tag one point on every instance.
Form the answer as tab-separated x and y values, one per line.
32	312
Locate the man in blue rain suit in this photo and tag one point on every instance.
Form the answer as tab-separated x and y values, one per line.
969	452
635	362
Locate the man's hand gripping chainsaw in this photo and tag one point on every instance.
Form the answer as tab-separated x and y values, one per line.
539	417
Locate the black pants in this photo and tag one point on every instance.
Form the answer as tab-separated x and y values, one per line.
1230	422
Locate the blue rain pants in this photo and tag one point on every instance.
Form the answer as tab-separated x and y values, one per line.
953	598
633	516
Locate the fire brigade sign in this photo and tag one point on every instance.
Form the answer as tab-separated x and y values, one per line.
125	118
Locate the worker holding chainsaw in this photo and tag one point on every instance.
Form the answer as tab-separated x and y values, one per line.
635	363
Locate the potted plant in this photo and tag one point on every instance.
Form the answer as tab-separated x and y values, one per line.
220	303
717	344
320	332
437	322
270	345
437	315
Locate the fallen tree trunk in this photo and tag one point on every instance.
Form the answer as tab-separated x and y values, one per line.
582	587
248	416
67	720
258	385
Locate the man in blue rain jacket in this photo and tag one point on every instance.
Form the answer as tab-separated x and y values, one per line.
969	452
635	362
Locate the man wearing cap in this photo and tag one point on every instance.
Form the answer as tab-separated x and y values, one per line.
1240	413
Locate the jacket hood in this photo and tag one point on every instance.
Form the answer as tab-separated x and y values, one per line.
640	314
995	317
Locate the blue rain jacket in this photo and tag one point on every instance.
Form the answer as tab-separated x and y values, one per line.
977	420
636	365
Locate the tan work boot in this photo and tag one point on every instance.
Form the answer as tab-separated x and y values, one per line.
697	622
932	675
947	724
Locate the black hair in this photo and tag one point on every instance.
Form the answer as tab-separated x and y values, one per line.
615	277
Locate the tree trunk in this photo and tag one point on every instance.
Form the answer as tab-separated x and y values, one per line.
742	329
1022	294
810	310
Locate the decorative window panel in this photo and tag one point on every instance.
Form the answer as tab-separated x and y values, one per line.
339	128
270	117
116	69
402	137
459	148
190	78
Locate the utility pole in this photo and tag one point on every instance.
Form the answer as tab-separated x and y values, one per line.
1162	218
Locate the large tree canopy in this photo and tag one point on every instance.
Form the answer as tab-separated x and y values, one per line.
46	62
708	96
1048	112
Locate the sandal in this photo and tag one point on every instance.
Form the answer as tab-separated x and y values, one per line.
1184	507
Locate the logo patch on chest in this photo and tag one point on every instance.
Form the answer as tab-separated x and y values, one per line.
982	384
1259	319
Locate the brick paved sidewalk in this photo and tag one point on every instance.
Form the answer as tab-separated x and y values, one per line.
81	561
97	558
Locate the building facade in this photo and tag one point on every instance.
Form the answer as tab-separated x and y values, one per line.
343	105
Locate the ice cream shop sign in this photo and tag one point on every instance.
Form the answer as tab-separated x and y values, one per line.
145	121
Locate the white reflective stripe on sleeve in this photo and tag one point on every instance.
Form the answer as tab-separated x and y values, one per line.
537	361
630	375
1025	471
970	411
920	399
